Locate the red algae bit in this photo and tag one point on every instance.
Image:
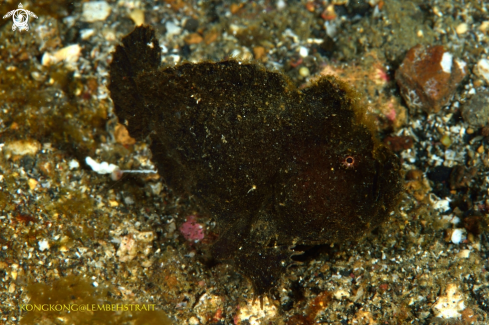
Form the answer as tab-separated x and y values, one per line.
191	230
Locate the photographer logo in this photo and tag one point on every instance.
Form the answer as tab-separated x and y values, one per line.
20	17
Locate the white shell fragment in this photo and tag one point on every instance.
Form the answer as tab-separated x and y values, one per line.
458	236
43	245
102	168
21	148
68	54
446	62
450	305
95	11
482	69
116	173
440	204
74	164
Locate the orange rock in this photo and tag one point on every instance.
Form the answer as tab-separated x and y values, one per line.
236	7
193	38
329	13
211	36
428	77
310	6
259	52
122	136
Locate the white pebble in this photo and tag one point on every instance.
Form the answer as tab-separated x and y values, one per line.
281	4
450	305
462	28
482	69
74	164
303	51
304	72
68	54
172	29
458	236
439	204
95	11
461	65
446	62
86	33
464	253
43	245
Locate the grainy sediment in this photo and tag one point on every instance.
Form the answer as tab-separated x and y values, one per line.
63	225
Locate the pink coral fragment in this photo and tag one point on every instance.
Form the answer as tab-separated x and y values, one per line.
191	230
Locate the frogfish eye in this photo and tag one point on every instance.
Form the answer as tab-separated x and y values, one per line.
349	162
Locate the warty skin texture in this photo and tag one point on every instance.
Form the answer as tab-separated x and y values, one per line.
267	161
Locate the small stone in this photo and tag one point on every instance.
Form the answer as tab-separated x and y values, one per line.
446	141
191	25
304	72
482	69
43	245
11	288
32	183
340	2
73	164
133	244
193	38
172	29
193	321
95	11
476	110
108	34
236	7
86	33
137	16
462	28
484	27
450	305
122	135
428	77
68	54
341	293
211	36
21	148
259	52
457	236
